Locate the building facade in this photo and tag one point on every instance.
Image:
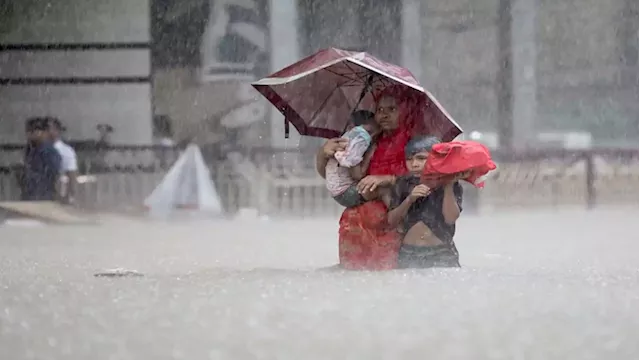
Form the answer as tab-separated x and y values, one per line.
193	59
573	63
86	62
240	41
584	64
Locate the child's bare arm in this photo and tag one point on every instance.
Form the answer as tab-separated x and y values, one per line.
360	171
395	216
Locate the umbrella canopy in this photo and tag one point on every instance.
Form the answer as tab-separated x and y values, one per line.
318	93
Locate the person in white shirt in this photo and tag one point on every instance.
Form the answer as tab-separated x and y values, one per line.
69	166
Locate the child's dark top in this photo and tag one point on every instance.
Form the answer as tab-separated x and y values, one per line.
427	209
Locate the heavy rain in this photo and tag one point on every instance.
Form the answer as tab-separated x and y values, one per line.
280	179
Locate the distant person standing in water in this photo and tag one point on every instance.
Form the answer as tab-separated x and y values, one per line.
42	162
69	165
102	145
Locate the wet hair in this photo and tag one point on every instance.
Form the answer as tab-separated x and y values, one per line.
362	117
104	127
56	123
37	123
420	143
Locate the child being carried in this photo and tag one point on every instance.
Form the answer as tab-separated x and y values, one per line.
349	166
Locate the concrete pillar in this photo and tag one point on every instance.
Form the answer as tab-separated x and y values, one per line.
412	37
523	53
283	30
504	83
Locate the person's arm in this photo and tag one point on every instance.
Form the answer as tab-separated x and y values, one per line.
399	209
321	163
360	170
72	185
326	152
371	182
452	202
395	216
53	162
72	174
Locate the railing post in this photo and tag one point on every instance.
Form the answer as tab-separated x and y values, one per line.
471	202
262	194
590	179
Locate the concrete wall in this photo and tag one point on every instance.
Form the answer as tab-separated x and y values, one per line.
583	49
459	58
585	75
126	106
586	70
297	29
76	21
582	69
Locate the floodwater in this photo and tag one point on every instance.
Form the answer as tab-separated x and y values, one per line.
553	284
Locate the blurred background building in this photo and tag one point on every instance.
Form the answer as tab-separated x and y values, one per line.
86	62
513	73
190	61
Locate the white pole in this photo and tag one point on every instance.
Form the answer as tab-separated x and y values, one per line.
523	52
283	32
412	37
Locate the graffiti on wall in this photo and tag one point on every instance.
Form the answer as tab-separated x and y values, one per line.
225	45
235	40
235	47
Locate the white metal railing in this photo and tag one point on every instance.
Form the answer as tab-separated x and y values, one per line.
271	190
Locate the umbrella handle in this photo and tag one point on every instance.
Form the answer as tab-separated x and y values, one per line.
286	128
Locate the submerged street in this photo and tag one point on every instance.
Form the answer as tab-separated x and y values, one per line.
553	284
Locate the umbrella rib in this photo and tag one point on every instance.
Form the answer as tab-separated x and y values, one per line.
313	117
364	74
341	75
357	73
348	65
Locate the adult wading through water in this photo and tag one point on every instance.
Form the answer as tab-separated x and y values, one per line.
365	240
318	94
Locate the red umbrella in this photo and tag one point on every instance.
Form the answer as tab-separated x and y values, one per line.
318	93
